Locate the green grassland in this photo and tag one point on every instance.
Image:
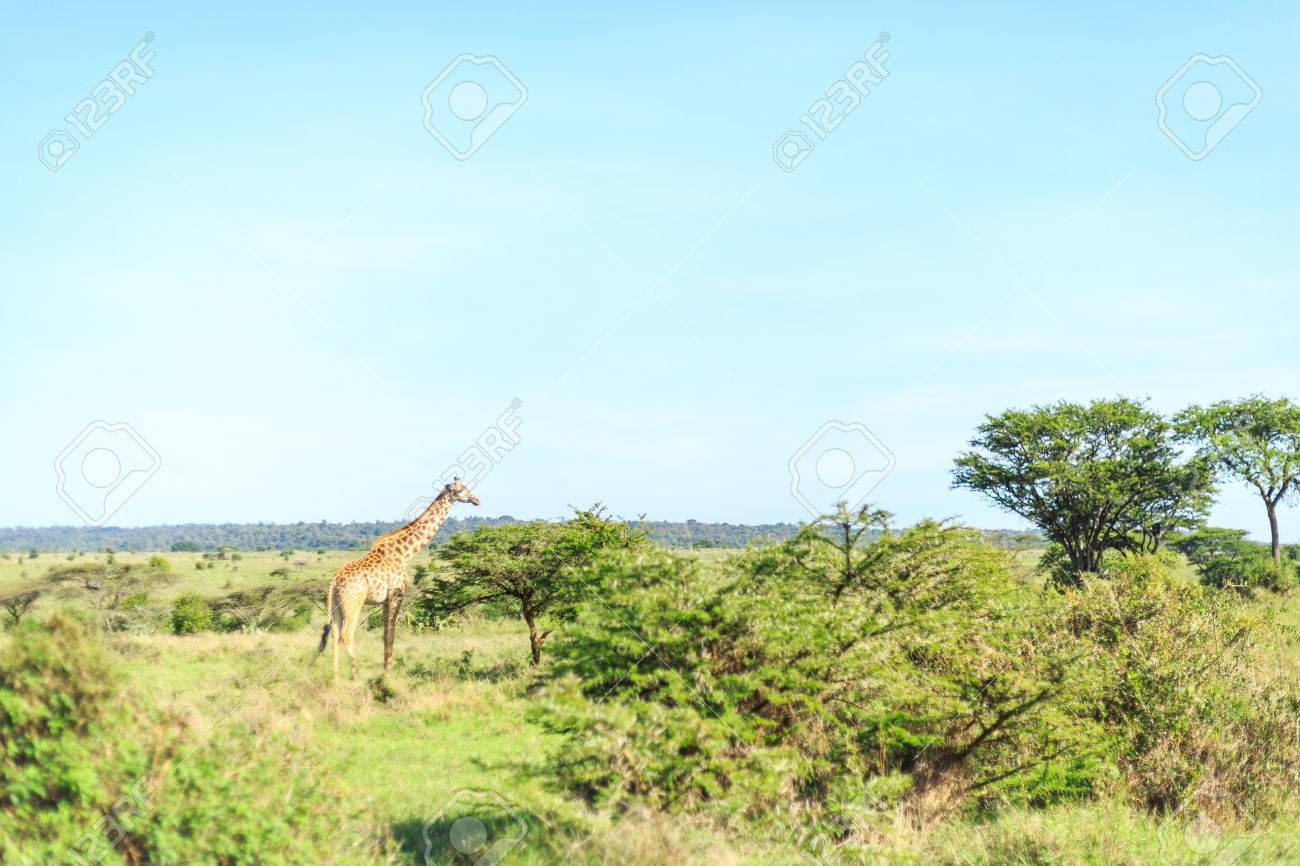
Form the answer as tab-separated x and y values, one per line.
453	716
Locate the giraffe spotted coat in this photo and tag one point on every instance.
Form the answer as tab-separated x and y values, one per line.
380	577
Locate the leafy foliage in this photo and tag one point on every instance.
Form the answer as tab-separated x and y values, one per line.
87	775
1255	440
270	607
1170	682
110	587
1105	476
191	614
523	569
824	676
1225	558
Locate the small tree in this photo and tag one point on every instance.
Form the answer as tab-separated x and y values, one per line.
107	586
526	569
269	607
1105	476
17	604
1256	440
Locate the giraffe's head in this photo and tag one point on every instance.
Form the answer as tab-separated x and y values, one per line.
459	492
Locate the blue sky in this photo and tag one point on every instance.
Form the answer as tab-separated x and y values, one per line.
266	265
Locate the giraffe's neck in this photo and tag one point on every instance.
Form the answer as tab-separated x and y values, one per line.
405	543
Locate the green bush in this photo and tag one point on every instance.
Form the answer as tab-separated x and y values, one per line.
88	775
1225	558
190	614
56	689
833	680
160	563
828	677
1169	675
1055	565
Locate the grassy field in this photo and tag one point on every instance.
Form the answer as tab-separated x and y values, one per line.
453	718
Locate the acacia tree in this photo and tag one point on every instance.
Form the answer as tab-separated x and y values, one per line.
1105	476
524	569
1256	440
18	603
108	586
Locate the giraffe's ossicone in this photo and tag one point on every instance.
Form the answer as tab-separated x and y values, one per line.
380	577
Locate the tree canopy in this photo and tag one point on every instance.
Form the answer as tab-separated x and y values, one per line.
1255	440
1103	476
524	569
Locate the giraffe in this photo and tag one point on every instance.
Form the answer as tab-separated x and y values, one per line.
380	577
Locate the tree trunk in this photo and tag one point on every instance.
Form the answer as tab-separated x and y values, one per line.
534	642
1272	525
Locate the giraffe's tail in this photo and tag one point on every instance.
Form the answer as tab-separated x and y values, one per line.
329	618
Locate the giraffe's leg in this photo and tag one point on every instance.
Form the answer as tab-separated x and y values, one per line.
336	632
351	618
392	608
388	632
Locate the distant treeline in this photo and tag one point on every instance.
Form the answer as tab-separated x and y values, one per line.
344	536
335	536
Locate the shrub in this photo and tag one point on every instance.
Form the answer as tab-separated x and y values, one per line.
191	614
89	775
828	675
56	690
1225	558
420	572
270	607
159	563
1169	680
1055	565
